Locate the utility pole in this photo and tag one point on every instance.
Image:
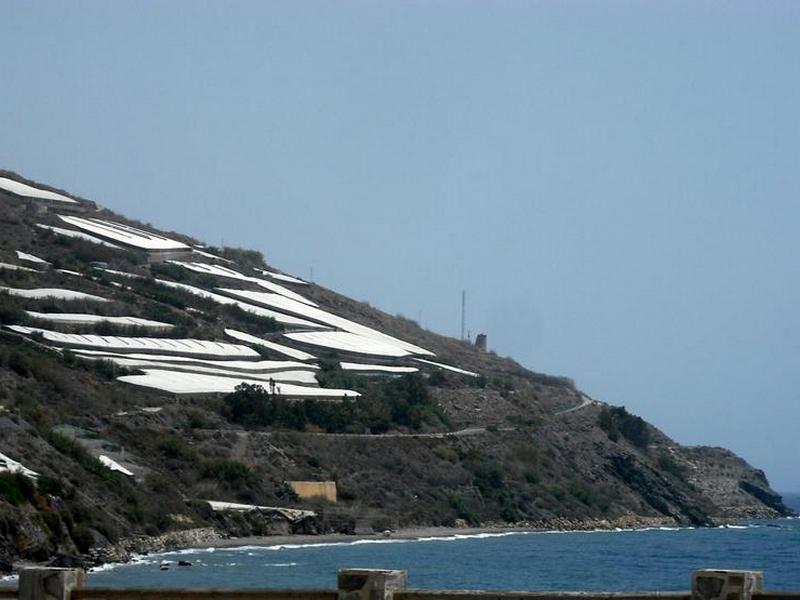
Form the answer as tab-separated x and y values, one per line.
463	312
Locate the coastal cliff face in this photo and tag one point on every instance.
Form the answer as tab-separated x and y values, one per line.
488	444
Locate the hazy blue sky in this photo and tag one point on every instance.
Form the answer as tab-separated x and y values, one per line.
616	184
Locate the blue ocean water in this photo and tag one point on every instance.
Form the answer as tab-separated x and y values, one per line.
792	500
643	560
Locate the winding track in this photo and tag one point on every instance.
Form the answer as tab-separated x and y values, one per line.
585	401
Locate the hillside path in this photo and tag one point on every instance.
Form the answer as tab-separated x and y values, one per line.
585	401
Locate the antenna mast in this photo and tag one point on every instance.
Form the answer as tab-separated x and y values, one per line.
463	311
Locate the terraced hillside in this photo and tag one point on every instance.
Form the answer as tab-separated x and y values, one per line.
151	386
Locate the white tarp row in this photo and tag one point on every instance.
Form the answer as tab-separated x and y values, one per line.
124	234
195	383
118	343
57	293
348	342
282	277
113	465
280	317
446	367
86	319
80	235
275	347
241	366
31	258
301	376
368	368
10	267
29	191
220	271
9	465
279	302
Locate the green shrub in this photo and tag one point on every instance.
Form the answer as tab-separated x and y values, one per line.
401	402
331	375
255	323
50	485
157	522
110	370
582	493
83	538
346	493
160	293
606	422
463	510
616	421
532	477
159	312
89	463
488	477
20	363
16	489
234	473
183	275
668	464
81	252
69	357
174	446
438	378
197	419
11	311
61	442
523	421
241	256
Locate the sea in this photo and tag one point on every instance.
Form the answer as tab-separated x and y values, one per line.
657	559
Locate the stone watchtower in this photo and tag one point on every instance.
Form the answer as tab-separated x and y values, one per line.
480	341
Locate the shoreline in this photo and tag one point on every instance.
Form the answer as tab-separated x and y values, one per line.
431	531
412	533
127	551
564	525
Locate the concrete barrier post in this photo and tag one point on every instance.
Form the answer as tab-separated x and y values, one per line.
720	584
369	584
49	583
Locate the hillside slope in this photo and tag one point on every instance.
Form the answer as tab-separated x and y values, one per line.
121	349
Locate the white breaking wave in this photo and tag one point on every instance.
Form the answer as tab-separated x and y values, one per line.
135	559
252	550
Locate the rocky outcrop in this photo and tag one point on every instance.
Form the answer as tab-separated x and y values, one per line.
658	491
174	540
766	496
735	488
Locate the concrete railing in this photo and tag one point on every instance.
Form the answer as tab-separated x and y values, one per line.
152	594
491	595
44	583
